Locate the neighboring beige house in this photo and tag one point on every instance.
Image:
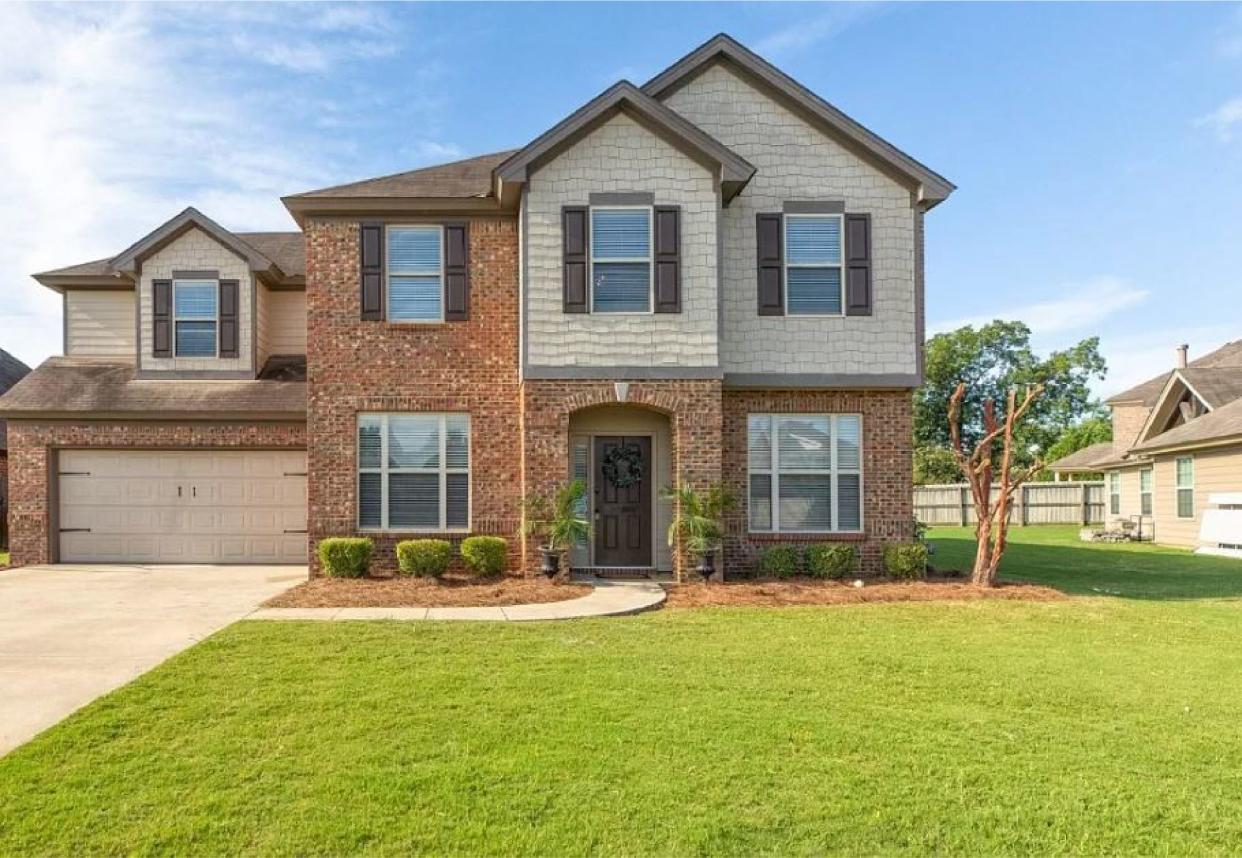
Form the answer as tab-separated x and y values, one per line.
1176	451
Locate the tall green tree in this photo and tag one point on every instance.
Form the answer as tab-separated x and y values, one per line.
992	359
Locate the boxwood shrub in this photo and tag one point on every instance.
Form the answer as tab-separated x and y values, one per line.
485	555
906	560
345	556
779	561
830	560
424	557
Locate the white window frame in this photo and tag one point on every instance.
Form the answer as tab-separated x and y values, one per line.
1114	493
384	471
840	266
195	281
1147	497
389	273
773	471
591	210
1178	488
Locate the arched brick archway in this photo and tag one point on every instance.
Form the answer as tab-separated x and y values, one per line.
693	408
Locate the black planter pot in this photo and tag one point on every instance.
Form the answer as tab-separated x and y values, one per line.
551	562
707	564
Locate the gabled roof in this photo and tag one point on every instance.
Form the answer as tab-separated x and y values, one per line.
733	170
932	187
1215	386
1219	426
286	249
128	259
1149	391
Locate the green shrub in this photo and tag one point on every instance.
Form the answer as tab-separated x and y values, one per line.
906	560
345	556
424	557
830	560
779	561
485	555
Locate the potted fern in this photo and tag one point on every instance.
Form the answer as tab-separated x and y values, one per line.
560	523
698	520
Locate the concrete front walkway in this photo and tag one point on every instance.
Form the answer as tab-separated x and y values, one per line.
71	633
607	599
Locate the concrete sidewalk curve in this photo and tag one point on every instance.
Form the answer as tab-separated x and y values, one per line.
606	599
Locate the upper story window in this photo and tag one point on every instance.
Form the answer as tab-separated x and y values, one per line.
414	471
805	472
415	274
196	318
1185	487
813	265
621	259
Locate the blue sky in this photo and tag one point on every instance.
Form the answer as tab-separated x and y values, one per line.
1097	148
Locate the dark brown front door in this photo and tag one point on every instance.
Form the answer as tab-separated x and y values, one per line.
623	479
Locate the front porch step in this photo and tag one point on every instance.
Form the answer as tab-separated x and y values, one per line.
625	573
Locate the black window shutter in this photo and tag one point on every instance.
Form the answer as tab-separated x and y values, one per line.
161	319
456	272
667	259
858	265
575	238
228	318
371	257
770	242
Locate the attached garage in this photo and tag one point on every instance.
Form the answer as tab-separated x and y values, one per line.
181	506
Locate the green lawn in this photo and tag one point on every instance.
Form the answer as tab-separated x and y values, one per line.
1094	725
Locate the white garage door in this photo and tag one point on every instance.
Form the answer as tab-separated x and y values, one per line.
208	506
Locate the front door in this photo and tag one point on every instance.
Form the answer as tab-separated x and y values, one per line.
623	477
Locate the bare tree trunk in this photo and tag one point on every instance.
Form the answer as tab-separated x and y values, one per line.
991	518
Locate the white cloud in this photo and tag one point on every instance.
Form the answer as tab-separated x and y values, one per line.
114	122
1080	306
431	152
807	33
1223	119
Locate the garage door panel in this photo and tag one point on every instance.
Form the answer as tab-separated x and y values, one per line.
233	506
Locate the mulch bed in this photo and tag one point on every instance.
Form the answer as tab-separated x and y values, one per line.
449	592
810	591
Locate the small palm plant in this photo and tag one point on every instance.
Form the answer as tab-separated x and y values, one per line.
698	520
560	522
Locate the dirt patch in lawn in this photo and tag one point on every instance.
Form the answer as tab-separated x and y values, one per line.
449	592
808	591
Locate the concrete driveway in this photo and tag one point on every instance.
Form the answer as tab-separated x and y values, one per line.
71	633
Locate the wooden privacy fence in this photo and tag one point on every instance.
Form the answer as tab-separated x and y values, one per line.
1034	503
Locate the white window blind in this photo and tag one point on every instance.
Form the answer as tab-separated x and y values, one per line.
621	260
415	273
813	265
414	471
805	472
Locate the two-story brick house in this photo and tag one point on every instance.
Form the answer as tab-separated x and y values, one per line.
714	277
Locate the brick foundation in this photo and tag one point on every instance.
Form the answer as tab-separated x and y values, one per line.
355	366
887	449
31	444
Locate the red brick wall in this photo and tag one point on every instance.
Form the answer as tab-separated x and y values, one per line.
355	366
693	408
31	443
4	499
888	449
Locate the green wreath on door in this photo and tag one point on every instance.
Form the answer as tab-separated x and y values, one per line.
631	457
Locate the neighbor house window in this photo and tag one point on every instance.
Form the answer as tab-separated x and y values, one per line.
195	317
813	265
1185	487
415	274
621	260
1145	485
414	471
1114	493
805	472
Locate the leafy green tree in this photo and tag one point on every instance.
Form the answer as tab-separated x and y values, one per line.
934	465
1093	430
993	359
